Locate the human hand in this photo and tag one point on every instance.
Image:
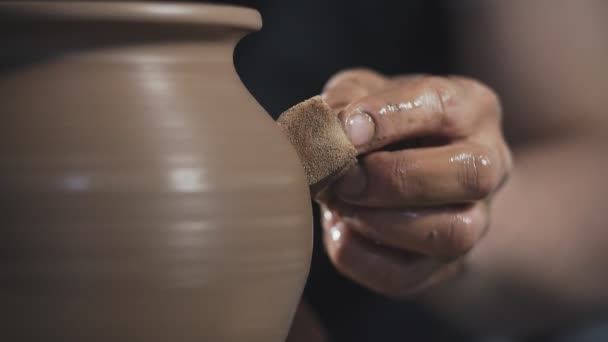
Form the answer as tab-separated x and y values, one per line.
432	154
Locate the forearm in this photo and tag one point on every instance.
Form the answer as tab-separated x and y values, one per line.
546	59
543	259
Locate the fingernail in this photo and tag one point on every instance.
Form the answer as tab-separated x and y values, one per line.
360	128
352	184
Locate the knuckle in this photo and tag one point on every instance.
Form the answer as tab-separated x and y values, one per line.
488	93
388	171
491	103
487	177
438	90
477	174
486	100
459	236
404	179
399	170
489	100
436	86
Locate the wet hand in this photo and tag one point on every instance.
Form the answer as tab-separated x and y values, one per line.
431	155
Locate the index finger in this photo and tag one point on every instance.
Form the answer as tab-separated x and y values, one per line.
451	108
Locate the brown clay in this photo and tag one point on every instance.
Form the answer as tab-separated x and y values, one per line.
145	195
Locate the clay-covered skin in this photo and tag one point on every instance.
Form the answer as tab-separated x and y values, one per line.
145	195
431	156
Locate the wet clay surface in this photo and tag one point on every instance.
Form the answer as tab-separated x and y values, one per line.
145	195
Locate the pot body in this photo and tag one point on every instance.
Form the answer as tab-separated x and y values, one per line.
145	195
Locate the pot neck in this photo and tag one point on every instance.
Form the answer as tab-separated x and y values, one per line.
155	13
34	31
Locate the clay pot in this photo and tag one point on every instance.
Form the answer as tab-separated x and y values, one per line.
144	194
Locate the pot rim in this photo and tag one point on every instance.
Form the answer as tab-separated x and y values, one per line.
181	13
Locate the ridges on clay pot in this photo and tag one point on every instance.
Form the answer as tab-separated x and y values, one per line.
145	195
